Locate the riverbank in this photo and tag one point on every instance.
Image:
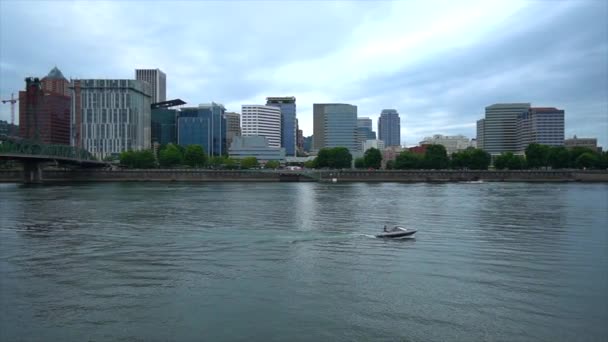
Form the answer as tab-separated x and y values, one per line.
194	175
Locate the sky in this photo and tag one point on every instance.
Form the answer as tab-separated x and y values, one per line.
438	63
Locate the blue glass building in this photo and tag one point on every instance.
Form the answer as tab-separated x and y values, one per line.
163	125
389	127
288	122
204	125
335	125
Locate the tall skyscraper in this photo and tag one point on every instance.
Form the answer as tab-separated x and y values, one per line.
233	127
500	127
110	116
44	115
55	82
288	122
335	125
204	125
260	120
389	127
157	80
540	125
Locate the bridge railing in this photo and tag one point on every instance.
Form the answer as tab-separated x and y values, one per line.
28	147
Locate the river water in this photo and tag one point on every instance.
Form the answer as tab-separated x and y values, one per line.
298	262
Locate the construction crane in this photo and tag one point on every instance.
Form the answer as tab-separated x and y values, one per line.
12	101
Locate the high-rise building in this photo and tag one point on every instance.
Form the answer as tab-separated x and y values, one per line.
204	125
335	125
500	127
288	122
233	127
110	116
44	115
452	143
164	121
540	125
364	132
157	80
389	127
265	121
55	82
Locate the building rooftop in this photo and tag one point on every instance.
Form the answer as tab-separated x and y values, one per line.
55	73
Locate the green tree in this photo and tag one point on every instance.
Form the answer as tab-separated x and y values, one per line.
559	157
501	161
342	158
576	152
336	158
195	156
537	155
436	157
516	163
230	164
272	164
407	160
325	158
128	159
311	164
509	161
460	160
372	158
359	163
249	162
587	160
216	162
479	159
170	156
603	164
390	165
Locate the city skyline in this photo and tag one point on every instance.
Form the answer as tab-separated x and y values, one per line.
468	55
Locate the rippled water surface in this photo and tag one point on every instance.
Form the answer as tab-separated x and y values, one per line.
298	262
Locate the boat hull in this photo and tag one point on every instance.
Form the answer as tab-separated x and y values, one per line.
397	235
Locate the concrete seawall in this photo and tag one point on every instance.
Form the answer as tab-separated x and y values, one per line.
189	175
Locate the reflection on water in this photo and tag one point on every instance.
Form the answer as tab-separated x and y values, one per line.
299	261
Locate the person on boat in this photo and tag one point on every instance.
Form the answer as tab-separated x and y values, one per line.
385	229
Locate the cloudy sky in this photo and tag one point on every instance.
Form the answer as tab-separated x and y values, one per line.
439	63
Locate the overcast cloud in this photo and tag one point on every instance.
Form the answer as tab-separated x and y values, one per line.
439	63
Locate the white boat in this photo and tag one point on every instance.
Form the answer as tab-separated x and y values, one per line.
397	232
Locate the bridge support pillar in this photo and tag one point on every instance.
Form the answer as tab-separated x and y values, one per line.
32	172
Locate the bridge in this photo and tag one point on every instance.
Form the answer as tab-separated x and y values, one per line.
33	155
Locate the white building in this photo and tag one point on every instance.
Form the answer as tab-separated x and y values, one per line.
497	131
260	120
255	146
452	143
377	144
110	116
157	80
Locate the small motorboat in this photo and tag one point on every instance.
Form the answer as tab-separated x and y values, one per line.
397	232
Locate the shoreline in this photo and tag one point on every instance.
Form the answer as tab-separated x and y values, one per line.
331	176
